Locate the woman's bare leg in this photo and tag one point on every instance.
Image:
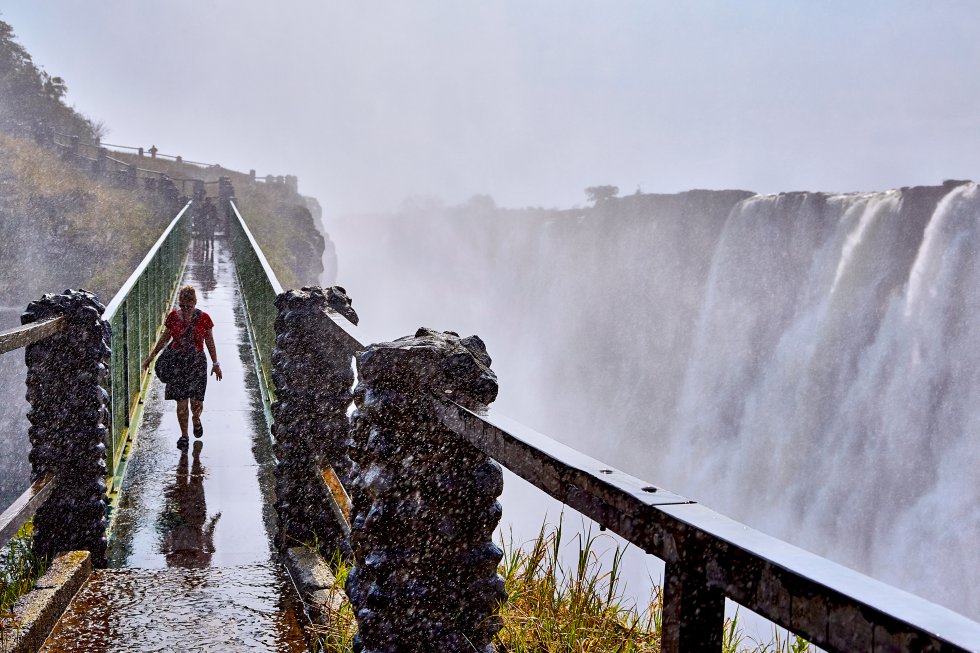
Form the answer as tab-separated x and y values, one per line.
182	416
196	408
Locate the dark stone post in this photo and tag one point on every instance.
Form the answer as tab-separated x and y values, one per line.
425	578
131	175
313	377
68	416
170	193
199	191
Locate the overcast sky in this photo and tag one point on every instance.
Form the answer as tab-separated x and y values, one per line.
370	102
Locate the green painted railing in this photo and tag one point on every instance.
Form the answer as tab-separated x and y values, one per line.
259	287
136	314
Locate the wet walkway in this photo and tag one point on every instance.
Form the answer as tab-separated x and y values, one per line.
192	566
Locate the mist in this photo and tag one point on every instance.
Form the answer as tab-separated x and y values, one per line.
638	331
804	363
529	103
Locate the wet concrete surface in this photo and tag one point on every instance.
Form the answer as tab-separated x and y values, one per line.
214	609
190	551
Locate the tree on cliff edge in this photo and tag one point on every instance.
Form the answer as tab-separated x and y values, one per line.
30	97
598	194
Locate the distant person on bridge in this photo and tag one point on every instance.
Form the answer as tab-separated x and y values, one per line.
190	330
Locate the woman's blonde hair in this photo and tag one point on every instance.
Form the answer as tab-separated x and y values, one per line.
187	294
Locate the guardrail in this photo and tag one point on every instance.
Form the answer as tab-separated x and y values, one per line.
136	315
708	556
25	506
259	287
97	154
86	386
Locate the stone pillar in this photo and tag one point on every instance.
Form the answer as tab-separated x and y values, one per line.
313	377
65	376
170	193
199	190
131	175
425	577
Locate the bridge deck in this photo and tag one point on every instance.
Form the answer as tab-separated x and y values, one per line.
192	564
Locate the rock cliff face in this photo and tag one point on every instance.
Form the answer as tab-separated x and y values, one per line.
804	362
329	258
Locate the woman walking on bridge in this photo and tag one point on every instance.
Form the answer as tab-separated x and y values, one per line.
190	330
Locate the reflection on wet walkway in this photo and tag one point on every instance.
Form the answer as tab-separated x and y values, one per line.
193	565
187	532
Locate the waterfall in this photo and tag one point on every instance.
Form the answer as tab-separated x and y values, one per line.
805	363
832	396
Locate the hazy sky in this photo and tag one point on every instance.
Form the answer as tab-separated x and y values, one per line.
369	102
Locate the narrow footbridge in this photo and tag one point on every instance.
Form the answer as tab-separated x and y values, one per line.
187	544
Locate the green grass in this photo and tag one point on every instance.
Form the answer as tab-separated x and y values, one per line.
578	608
20	569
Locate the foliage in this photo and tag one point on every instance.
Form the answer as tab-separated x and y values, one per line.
60	229
31	98
338	634
555	609
19	571
598	194
580	610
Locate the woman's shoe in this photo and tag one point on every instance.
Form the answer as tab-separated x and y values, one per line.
198	430
182	442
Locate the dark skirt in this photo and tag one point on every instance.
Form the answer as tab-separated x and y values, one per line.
190	377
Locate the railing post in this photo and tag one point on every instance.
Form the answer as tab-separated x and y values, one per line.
200	192
65	376
313	377
102	163
425	577
693	613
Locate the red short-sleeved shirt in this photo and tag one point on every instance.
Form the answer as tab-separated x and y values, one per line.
176	326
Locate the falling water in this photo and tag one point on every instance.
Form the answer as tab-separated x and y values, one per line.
804	362
832	392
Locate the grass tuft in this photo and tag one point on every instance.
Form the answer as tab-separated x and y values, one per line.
20	569
554	608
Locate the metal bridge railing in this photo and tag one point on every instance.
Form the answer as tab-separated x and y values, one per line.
136	314
259	287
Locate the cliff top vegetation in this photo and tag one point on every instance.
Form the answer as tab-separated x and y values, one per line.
59	227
